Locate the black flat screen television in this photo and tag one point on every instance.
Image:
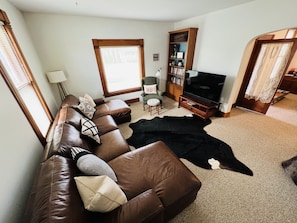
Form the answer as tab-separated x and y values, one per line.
204	86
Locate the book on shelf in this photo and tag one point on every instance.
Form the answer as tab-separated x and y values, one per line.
176	80
177	70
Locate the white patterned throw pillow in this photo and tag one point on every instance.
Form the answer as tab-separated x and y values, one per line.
88	128
89	99
91	164
150	89
86	108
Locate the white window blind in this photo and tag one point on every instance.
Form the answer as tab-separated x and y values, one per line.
18	78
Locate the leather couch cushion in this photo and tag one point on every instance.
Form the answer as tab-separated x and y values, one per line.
155	166
72	116
145	207
70	100
66	135
113	107
112	145
54	195
105	124
117	108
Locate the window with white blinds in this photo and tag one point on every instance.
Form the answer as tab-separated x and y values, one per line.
19	79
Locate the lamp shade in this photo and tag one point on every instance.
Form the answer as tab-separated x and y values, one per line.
56	76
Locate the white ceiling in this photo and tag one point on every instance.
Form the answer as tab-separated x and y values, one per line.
154	10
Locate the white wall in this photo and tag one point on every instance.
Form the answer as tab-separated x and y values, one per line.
19	147
20	152
65	42
223	36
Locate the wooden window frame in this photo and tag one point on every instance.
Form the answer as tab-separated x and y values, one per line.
97	43
8	28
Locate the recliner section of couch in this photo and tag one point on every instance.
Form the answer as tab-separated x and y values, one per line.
156	183
117	108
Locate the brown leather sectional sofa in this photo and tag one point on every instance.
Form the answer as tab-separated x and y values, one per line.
156	183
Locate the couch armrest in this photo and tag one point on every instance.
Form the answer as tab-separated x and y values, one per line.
144	208
99	101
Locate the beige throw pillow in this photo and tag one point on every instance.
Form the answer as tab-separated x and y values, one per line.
100	193
150	89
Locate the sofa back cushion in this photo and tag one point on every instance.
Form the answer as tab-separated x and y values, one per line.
66	135
70	100
71	116
54	196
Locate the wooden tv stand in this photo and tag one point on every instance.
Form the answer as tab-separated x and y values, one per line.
199	107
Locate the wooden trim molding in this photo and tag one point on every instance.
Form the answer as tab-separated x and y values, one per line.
4	18
117	42
8	28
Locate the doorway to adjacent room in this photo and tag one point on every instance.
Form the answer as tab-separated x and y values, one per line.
273	55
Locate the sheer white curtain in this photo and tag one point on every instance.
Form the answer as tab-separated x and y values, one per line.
268	71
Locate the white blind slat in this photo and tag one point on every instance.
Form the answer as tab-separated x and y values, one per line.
10	61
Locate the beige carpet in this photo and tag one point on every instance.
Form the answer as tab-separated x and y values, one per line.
285	110
260	142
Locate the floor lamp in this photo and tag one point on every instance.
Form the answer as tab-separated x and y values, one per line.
158	73
57	77
158	76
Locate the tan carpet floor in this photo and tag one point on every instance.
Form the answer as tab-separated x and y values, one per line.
259	141
285	110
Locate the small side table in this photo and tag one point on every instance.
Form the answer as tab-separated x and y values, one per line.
153	102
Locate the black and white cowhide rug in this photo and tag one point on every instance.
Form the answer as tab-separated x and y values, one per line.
186	137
